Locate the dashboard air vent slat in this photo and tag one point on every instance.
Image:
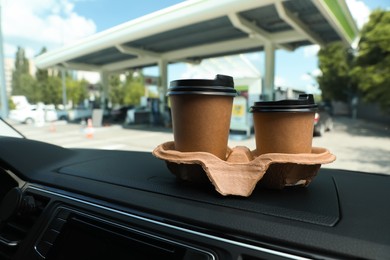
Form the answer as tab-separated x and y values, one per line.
16	227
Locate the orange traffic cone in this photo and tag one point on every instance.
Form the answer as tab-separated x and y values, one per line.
52	127
89	130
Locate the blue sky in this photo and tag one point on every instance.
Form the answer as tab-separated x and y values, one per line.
123	11
119	11
33	24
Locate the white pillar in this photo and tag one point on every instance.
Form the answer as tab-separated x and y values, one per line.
269	77
163	87
3	88
64	97
163	73
104	94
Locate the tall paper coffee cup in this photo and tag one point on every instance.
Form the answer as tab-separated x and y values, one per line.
201	111
284	126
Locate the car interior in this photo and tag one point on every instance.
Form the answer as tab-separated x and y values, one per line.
62	203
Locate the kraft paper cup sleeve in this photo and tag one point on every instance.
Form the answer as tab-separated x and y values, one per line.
242	170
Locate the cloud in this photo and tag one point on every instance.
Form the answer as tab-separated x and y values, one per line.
310	76
359	11
310	51
43	23
9	50
306	77
279	81
316	72
312	89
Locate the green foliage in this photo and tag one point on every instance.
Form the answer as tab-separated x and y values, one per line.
44	87
47	87
42	75
22	65
50	90
335	63
134	88
116	91
77	91
22	81
11	104
128	92
372	68
366	73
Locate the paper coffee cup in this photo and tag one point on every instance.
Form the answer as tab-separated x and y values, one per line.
284	126
201	111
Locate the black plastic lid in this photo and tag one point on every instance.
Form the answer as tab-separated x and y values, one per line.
222	85
304	103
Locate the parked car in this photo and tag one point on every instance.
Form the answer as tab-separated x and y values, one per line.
120	114
62	114
34	114
322	120
79	114
138	115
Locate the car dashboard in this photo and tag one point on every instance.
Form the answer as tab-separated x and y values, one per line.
59	203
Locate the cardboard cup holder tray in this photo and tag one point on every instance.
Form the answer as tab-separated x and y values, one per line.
243	169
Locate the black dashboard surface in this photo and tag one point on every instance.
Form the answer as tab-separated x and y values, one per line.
317	204
342	213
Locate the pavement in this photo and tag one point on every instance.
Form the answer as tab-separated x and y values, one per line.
358	145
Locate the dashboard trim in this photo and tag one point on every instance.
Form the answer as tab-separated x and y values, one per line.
100	219
166	225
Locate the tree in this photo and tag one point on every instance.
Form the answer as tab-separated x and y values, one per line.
336	62
50	91
42	75
116	90
47	88
366	73
41	81
128	92
76	90
134	88
372	68
22	81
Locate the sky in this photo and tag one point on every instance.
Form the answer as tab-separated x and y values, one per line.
33	24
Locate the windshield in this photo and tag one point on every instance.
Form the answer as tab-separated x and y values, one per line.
79	78
7	130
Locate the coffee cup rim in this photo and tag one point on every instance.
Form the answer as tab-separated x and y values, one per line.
220	80
202	90
304	103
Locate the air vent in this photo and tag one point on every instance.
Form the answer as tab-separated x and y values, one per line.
18	214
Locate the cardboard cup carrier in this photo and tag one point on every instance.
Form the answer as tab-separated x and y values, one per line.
201	111
284	156
284	126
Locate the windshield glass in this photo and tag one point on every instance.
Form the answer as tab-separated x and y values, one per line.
7	130
79	78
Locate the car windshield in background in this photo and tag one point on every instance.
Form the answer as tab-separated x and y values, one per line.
113	96
194	129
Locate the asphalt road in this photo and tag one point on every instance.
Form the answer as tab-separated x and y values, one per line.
358	145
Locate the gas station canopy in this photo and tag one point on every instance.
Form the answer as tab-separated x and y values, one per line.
194	30
198	29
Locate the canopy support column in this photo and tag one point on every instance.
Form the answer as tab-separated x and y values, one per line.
104	94
163	88
163	73
64	97
269	77
3	87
